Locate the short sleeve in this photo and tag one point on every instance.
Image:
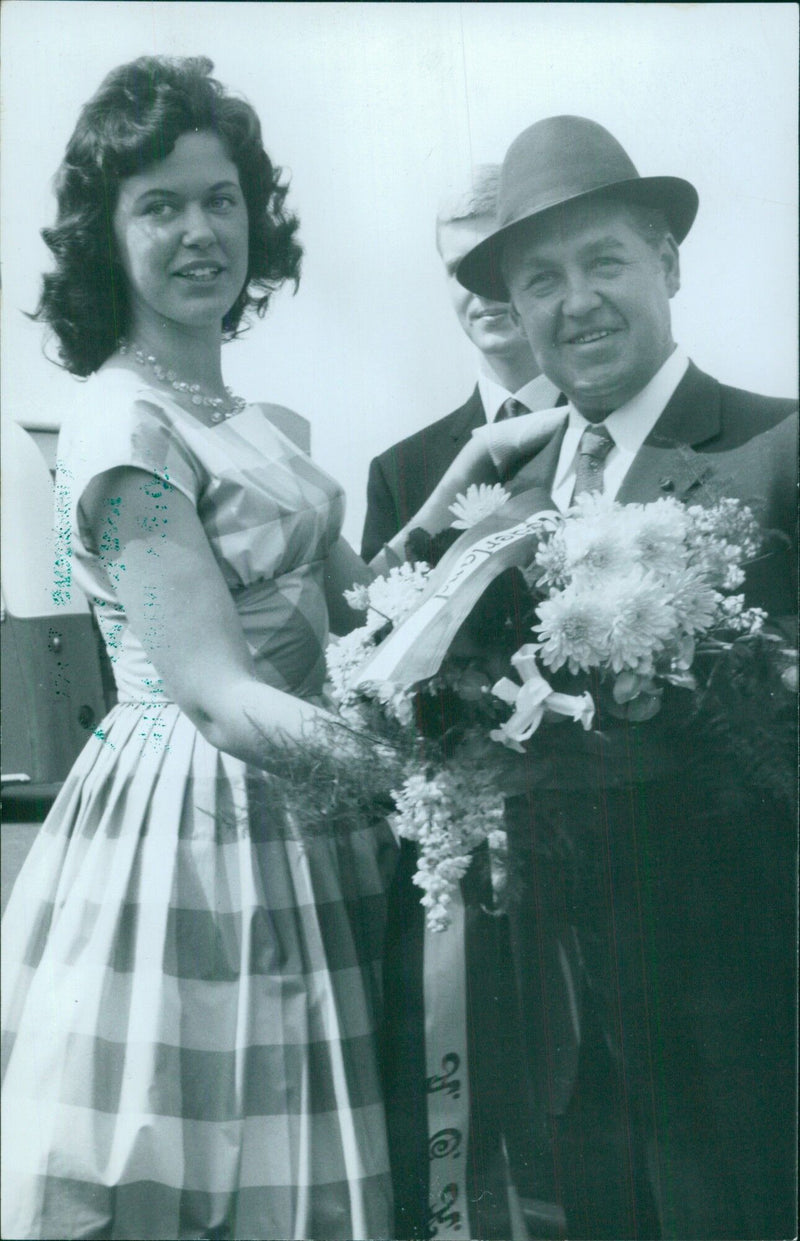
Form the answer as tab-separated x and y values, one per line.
139	434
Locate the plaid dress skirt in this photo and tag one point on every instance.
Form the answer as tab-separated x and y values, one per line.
191	996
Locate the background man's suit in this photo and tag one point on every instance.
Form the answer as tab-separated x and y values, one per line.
683	891
400	480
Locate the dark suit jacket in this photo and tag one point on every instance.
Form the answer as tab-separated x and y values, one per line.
712	980
401	478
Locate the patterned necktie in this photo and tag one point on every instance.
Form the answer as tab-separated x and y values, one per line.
596	443
511	408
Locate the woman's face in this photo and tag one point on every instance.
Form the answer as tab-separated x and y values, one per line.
181	230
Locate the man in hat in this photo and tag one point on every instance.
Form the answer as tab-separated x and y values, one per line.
681	872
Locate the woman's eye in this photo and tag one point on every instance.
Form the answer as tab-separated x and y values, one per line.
222	202
161	210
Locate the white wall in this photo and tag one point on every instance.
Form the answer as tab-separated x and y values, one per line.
376	109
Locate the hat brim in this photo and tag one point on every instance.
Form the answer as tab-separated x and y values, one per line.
481	270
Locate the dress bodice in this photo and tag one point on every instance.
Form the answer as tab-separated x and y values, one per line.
270	516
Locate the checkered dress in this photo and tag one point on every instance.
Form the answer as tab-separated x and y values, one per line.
190	995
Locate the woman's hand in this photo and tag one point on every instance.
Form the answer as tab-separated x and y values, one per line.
494	452
512	442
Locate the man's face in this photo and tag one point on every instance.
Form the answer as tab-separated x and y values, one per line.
489	325
592	297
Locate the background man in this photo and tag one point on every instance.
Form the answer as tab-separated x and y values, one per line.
683	878
403	476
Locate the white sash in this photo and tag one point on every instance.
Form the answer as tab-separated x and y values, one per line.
416	648
447	1069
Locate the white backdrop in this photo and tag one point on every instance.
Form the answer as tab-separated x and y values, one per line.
376	110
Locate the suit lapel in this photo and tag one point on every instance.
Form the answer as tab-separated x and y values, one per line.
668	463
466	419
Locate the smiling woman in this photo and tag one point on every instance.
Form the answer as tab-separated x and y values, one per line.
192	995
181	232
86	299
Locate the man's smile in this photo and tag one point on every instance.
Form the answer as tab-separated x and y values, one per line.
589	336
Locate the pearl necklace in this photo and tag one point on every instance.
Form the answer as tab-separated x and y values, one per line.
217	404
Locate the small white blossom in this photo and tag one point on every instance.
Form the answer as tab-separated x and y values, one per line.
392	597
344	657
357	598
448	814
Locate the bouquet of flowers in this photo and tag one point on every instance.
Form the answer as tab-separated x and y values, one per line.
626	592
625	601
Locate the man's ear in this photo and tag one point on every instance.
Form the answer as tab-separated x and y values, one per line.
671	264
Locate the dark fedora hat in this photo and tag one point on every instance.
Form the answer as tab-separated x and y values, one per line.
557	161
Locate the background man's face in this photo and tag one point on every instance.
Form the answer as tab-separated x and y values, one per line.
489	325
592	297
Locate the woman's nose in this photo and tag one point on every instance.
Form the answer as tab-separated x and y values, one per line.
197	230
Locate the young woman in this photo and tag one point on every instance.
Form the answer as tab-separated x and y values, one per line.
192	994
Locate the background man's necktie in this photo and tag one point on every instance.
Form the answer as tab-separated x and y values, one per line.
596	443
511	408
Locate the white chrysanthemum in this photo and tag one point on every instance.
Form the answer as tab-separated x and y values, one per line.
550	562
392	597
594	536
695	601
479	502
574	629
656	534
643	620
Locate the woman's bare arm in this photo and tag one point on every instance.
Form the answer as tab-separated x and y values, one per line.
178	605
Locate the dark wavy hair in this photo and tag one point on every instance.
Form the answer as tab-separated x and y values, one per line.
132	122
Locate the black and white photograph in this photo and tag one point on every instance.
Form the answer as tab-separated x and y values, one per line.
399	621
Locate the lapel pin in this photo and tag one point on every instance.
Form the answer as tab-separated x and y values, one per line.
666	484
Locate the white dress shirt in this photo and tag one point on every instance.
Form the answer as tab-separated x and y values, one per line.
629	427
539	393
